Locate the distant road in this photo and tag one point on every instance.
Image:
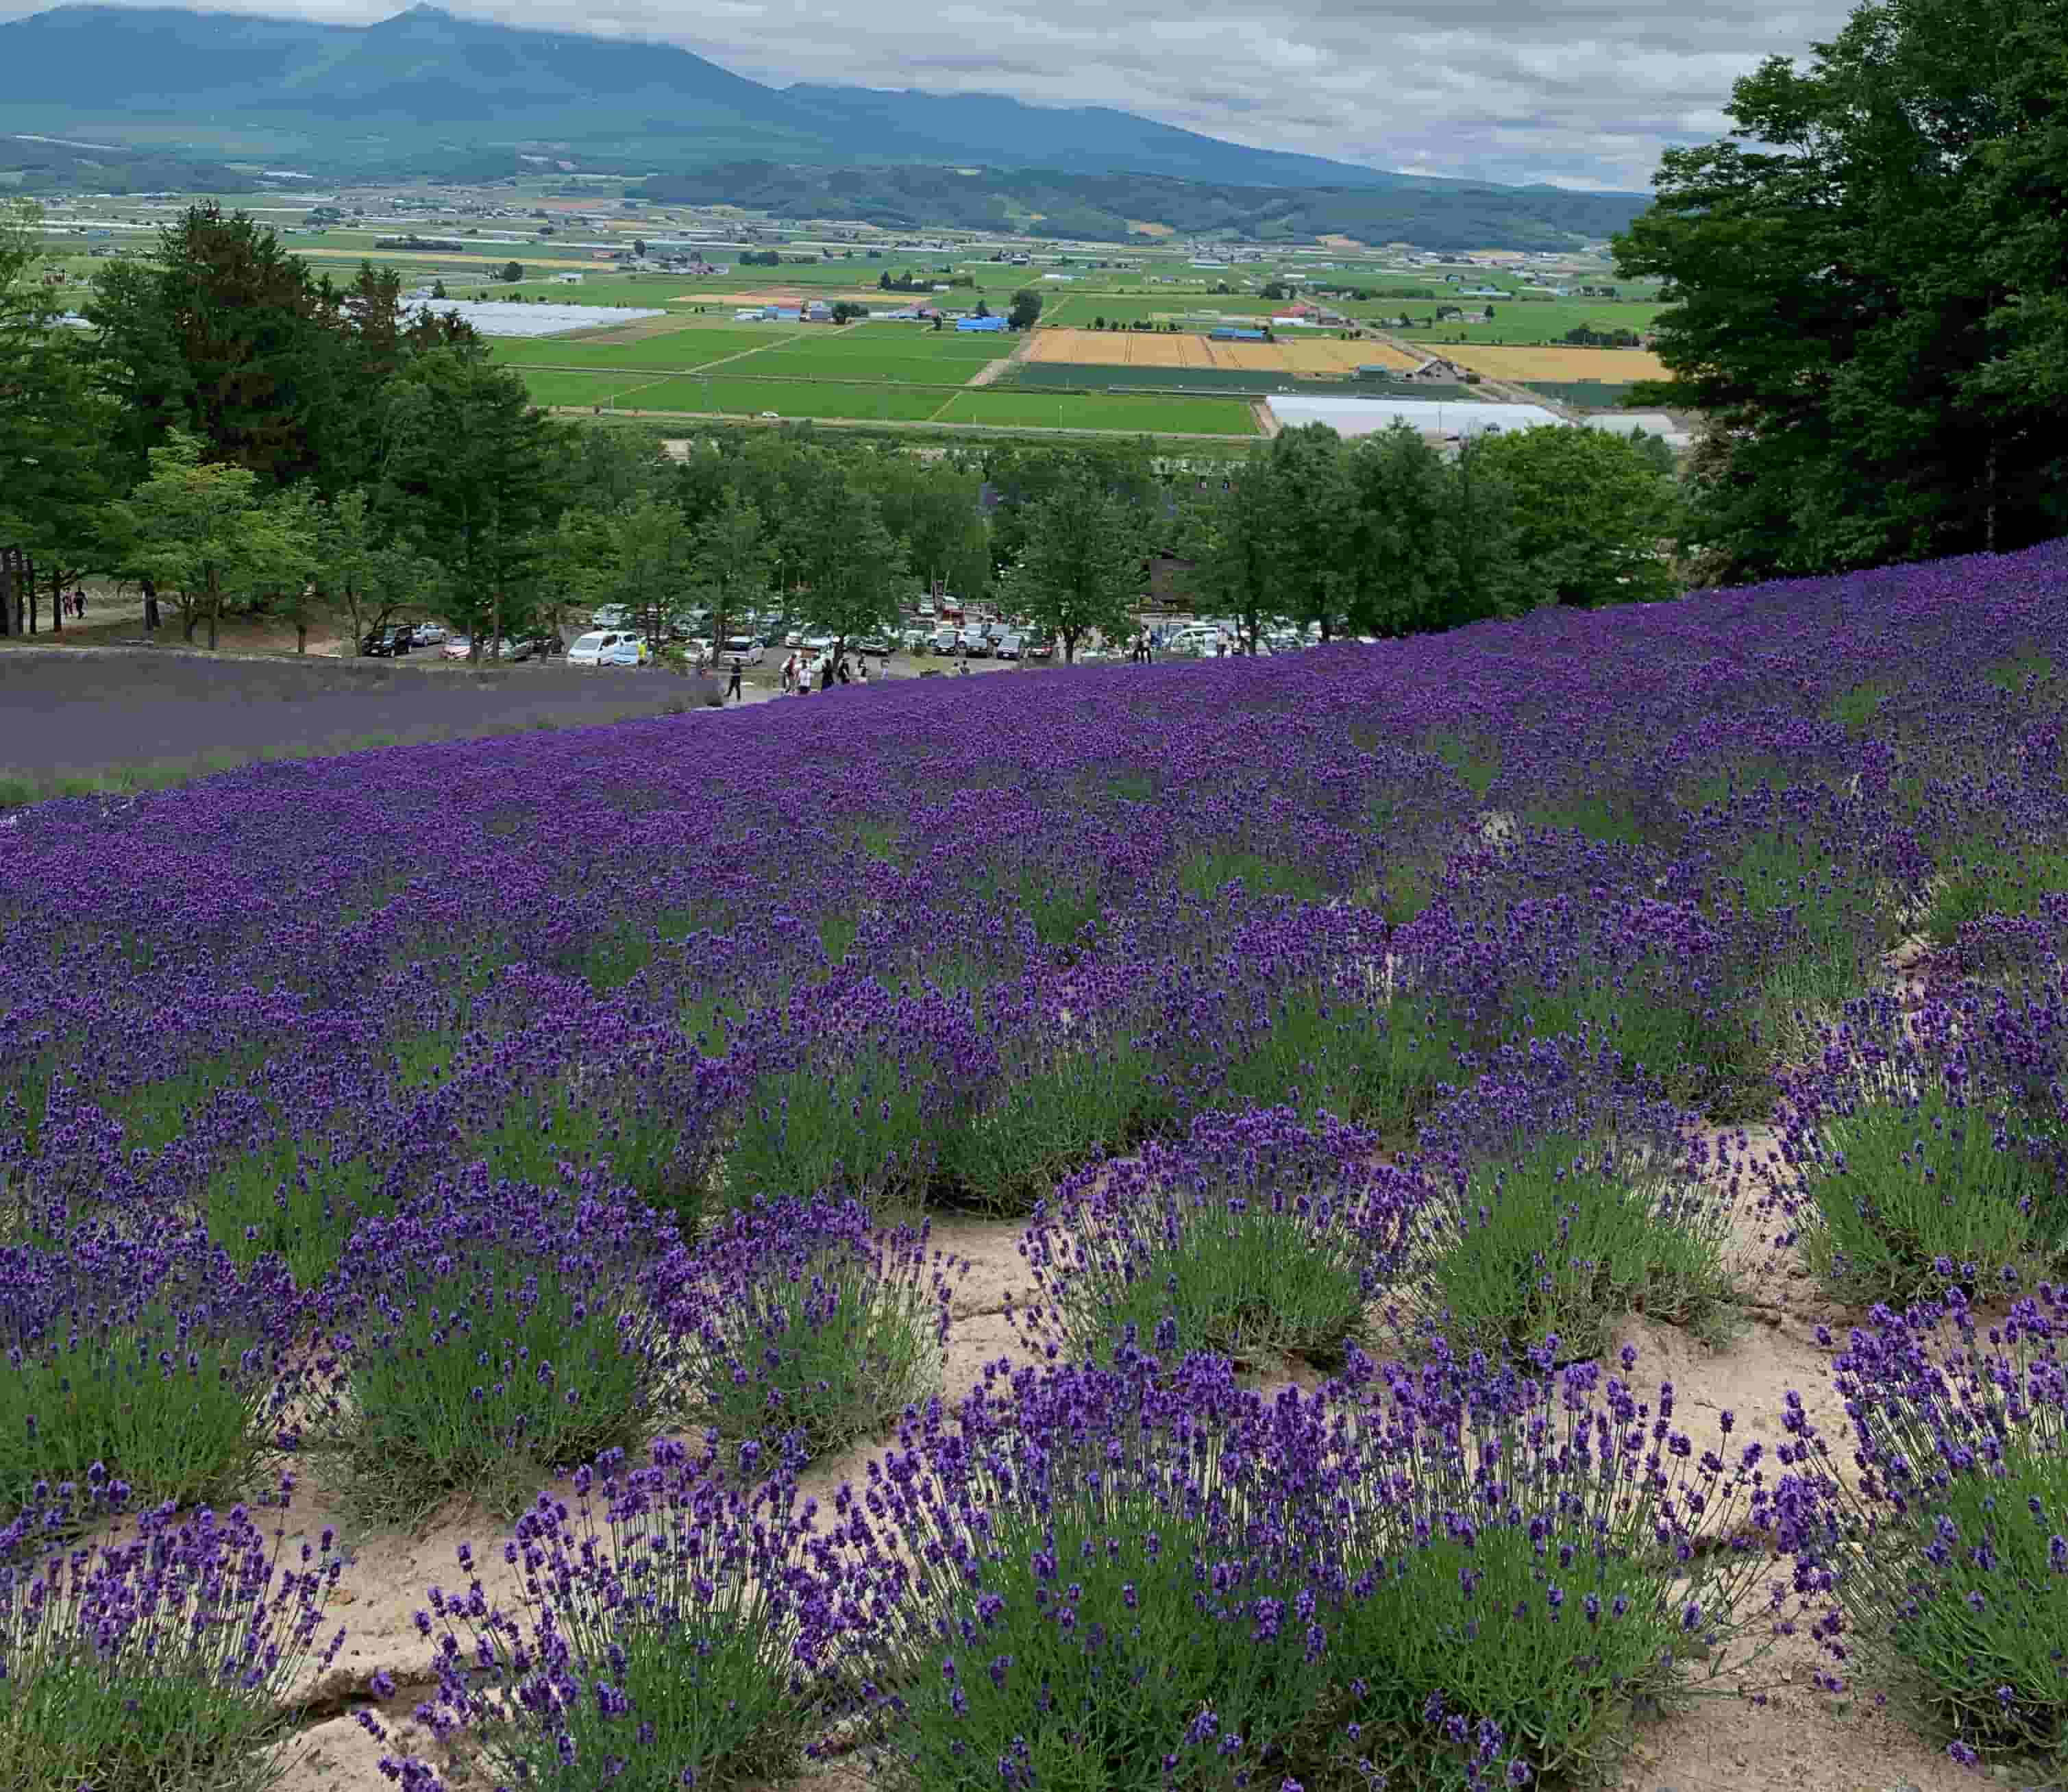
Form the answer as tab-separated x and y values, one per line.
880	423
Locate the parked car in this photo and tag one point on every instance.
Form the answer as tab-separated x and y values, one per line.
390	642
743	648
607	647
950	608
771	416
917	641
946	640
611	615
427	634
976	642
924	607
457	647
818	644
1042	649
1009	647
877	645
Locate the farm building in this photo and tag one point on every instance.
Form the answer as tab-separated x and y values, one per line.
781	314
1234	335
1359	416
569	279
975	323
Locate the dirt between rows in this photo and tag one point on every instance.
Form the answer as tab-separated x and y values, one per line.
76	711
1744	1725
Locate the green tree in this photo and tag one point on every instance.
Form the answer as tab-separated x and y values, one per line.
437	289
364	569
646	564
1025	310
206	532
734	561
468	476
933	510
1864	295
1592	515
847	561
223	336
1079	566
513	272
1405	575
1231	540
57	472
1309	520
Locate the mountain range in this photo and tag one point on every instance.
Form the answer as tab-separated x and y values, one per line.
425	92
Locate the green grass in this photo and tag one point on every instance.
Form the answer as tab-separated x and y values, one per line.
831	364
547	387
791	398
676	352
1152	416
1522	321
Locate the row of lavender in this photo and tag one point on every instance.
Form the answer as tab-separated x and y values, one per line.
399	1113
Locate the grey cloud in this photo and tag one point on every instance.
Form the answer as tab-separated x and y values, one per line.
1585	92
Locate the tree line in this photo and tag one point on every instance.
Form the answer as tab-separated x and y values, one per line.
232	434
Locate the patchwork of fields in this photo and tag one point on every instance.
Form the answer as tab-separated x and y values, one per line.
1161	348
1614	366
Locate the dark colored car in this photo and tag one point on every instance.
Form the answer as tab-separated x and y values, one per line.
388	643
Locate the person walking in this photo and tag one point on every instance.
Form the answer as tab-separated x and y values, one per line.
732	684
826	673
842	672
861	672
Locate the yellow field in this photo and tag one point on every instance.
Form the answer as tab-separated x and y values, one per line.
1158	349
1148	229
1342	242
1306	358
1618	366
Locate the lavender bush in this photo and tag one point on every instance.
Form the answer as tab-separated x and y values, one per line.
484	1337
1138	1576
1952	1568
1254	1239
804	1324
160	1659
667	1636
155	1358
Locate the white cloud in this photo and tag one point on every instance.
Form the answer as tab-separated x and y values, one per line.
1583	93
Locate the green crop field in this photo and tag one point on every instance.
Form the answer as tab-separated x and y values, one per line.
1005	407
677	351
813	362
551	386
791	398
907	340
1080	309
1521	320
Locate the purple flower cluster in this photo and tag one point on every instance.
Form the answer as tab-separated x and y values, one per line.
165	1651
1952	1565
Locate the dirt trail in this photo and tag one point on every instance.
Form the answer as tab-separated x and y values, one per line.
996	370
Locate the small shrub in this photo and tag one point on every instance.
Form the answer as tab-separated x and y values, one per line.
663	1639
160	1660
1907	1184
1205	874
1253	1239
1854	708
290	1203
1997	882
1951	1567
801	1323
152	1357
491	1336
1566	1240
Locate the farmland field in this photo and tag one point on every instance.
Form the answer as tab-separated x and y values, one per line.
1321	354
1615	366
552	386
1527	320
679	350
790	398
1495	1152
1005	406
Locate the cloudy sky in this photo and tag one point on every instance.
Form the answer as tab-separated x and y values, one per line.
1583	93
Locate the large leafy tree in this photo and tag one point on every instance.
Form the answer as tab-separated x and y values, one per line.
647	565
468	476
1309	519
848	561
225	337
1079	567
56	473
204	533
1592	515
1865	292
734	561
1228	534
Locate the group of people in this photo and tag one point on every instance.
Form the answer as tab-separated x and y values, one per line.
74	603
829	670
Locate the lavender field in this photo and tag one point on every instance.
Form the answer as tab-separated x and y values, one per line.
1175	1227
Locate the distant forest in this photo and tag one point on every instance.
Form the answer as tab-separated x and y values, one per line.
35	165
1106	207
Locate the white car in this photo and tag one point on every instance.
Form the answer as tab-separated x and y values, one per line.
771	416
611	615
743	648
428	634
608	647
